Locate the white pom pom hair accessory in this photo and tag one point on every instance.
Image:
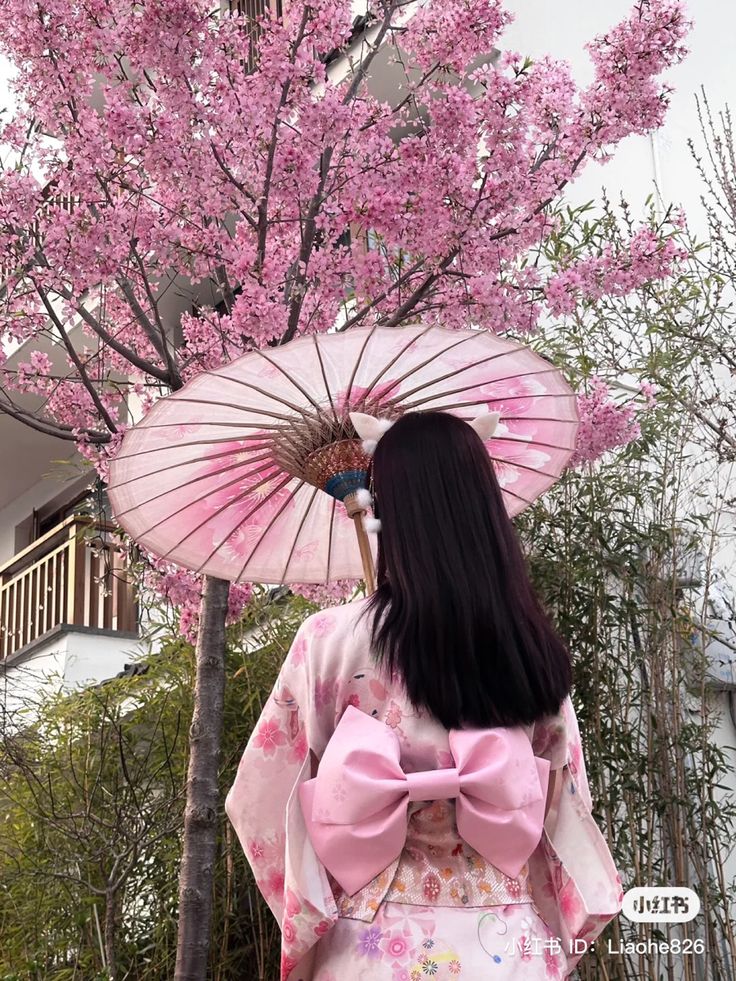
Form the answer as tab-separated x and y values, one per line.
363	498
371	428
372	525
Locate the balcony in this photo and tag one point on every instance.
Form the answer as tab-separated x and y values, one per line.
71	578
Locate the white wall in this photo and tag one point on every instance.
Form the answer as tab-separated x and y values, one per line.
65	661
21	507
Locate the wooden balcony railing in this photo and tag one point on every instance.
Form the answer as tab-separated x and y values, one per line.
64	579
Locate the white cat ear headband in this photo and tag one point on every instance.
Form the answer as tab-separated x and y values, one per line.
371	428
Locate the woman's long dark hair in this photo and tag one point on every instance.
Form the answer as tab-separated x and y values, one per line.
455	615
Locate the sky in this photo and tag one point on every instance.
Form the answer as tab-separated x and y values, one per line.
561	29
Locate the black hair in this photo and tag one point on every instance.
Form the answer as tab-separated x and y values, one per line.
454	614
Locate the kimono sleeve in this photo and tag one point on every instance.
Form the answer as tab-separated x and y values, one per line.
574	880
264	809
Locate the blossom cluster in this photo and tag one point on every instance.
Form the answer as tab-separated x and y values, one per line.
326	594
604	423
182	589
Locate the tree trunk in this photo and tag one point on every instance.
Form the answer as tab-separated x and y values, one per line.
110	931
200	816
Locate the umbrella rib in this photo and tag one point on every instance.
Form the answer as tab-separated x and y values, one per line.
566	422
467	367
198	500
266	530
221	425
194	480
215	514
475	384
178	445
396	357
263	391
504	416
527	442
188	463
239	524
523	466
324	373
233	405
484	400
505	490
358	361
288	377
308	508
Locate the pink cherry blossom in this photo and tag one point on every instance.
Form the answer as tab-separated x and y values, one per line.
327	594
604	424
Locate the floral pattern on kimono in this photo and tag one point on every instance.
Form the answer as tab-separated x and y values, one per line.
328	667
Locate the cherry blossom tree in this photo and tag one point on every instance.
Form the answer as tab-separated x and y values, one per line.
163	148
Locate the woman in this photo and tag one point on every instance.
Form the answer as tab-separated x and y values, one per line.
448	681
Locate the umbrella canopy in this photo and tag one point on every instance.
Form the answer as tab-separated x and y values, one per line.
242	473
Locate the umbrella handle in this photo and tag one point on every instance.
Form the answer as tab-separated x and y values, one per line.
365	552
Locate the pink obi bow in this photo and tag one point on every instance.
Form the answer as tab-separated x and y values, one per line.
356	808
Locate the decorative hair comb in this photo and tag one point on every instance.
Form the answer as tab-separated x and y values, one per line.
371	428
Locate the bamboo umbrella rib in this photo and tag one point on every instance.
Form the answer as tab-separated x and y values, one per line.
483	400
191	462
198	500
240	523
234	405
323	372
266	530
215	473
504	417
221	425
505	490
567	422
219	374
289	378
358	362
308	508
463	405
492	381
262	391
523	466
438	354
191	442
533	442
396	357
476	364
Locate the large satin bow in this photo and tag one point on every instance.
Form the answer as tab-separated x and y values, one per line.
356	807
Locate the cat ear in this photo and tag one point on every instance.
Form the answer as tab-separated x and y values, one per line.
485	424
369	427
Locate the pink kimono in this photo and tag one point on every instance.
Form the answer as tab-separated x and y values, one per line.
440	910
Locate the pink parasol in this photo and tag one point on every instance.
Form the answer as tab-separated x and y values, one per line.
249	472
